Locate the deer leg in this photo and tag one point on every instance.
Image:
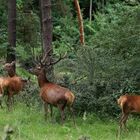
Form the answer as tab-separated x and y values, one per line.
46	109
125	112
125	120
61	108
1	104
9	103
1	100
51	108
9	100
121	120
12	102
120	124
72	113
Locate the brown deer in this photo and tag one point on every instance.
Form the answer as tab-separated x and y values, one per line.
128	104
12	84
51	93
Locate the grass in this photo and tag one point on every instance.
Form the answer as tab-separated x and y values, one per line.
29	124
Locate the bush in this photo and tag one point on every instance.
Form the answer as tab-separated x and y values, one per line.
109	65
29	96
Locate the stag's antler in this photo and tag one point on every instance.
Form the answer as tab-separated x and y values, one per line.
36	59
60	58
43	61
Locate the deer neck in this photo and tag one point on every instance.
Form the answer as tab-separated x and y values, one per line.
11	73
42	79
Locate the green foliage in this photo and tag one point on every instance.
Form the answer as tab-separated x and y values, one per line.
30	96
65	34
109	64
107	67
120	37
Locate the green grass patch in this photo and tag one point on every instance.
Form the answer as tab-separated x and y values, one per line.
29	124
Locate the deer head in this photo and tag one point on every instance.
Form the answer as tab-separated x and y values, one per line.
10	68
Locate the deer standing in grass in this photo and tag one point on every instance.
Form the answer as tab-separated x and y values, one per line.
51	93
12	84
128	104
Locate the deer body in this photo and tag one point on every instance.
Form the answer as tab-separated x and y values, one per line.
52	93
14	84
128	104
4	82
3	85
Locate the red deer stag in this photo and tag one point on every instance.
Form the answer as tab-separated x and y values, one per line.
12	84
51	93
128	104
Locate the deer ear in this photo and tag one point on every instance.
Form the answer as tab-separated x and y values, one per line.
13	62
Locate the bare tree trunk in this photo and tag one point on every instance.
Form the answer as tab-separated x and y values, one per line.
80	20
47	31
11	54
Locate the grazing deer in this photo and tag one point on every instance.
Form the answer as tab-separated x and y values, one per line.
51	93
128	104
12	84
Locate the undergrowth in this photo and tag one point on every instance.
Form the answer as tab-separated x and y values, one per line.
29	124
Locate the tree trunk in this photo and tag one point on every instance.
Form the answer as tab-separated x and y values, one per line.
46	24
80	20
11	54
41	26
47	31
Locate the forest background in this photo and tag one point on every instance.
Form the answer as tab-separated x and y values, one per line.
98	72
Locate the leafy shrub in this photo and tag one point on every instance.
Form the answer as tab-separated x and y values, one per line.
30	96
109	64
